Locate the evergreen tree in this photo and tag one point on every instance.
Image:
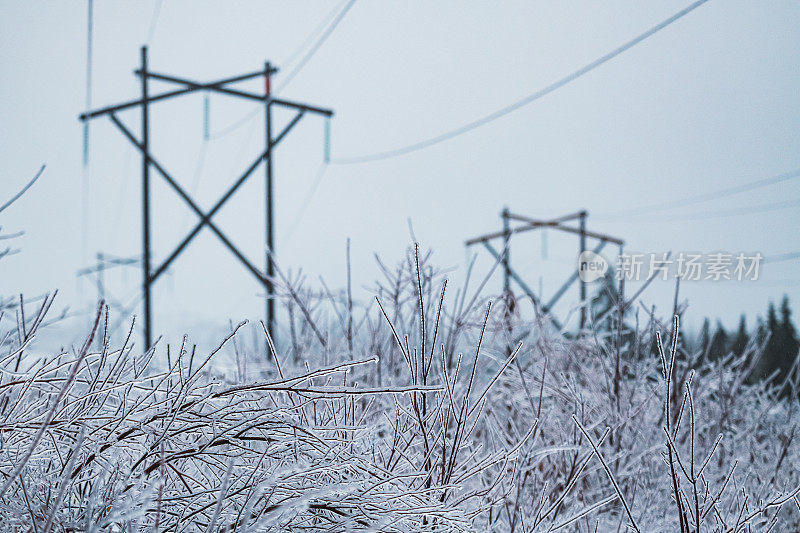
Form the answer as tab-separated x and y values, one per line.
761	331
719	343
788	344
739	343
770	358
704	337
782	345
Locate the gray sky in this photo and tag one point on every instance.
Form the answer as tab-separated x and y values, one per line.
706	104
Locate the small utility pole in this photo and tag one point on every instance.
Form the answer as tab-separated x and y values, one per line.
507	295
148	329
582	226
105	262
101	291
269	230
506	253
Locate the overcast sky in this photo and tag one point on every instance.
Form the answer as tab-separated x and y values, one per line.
709	103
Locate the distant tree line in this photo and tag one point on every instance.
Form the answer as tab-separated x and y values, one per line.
774	340
777	335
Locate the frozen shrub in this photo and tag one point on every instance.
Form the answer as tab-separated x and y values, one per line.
418	412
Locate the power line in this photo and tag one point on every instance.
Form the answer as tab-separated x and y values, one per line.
312	190
89	39
236	125
524	101
313	50
198	174
154	21
722	213
21	192
310	37
761	208
782	257
704	197
85	168
331	21
285	81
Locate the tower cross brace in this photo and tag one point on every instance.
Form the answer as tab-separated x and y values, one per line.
186	86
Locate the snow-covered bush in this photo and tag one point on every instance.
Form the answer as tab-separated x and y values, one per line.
417	412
